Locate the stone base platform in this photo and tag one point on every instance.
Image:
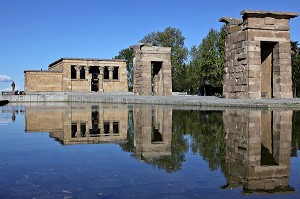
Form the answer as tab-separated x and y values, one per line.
129	98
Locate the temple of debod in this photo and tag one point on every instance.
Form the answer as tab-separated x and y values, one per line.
257	64
257	68
78	75
152	74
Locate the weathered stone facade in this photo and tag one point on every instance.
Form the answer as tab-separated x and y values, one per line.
152	70
258	149
258	55
79	75
80	125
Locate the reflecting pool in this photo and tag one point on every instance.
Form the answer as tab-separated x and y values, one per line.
144	151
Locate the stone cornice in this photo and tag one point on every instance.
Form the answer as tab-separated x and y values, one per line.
264	13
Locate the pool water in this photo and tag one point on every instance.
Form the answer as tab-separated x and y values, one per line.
143	151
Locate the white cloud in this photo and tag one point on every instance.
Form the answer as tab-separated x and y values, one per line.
5	78
9	89
6	89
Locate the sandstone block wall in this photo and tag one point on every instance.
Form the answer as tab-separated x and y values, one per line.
43	81
257	55
152	70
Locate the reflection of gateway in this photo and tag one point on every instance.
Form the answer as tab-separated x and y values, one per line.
258	150
80	125
152	132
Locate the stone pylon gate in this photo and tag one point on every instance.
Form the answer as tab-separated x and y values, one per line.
152	70
258	55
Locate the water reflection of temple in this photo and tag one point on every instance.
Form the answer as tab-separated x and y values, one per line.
258	150
152	132
150	127
80	124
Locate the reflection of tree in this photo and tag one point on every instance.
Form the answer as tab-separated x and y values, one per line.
206	131
296	133
172	163
129	145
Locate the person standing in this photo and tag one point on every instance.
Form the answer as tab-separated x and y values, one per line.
13	86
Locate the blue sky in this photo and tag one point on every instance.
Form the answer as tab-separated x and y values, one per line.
34	33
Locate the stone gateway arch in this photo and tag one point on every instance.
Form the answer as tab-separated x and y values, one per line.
152	70
258	55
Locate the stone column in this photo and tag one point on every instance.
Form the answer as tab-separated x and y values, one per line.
100	78
77	68
111	129
88	77
110	69
87	72
78	130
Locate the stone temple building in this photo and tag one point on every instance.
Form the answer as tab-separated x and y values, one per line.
79	75
152	70
258	55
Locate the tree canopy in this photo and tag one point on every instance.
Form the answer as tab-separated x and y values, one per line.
127	54
207	63
172	37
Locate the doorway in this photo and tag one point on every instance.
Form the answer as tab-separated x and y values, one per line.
94	81
267	62
156	79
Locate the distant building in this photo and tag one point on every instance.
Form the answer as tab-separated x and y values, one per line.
79	75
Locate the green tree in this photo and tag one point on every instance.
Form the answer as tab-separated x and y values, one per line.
172	37
128	55
207	61
295	50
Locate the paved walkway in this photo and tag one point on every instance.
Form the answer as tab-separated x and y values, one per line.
129	98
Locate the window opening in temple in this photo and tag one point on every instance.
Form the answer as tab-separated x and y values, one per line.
106	127
94	70
82	73
116	127
268	150
105	73
73	72
73	130
82	129
155	79
267	57
116	72
95	130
